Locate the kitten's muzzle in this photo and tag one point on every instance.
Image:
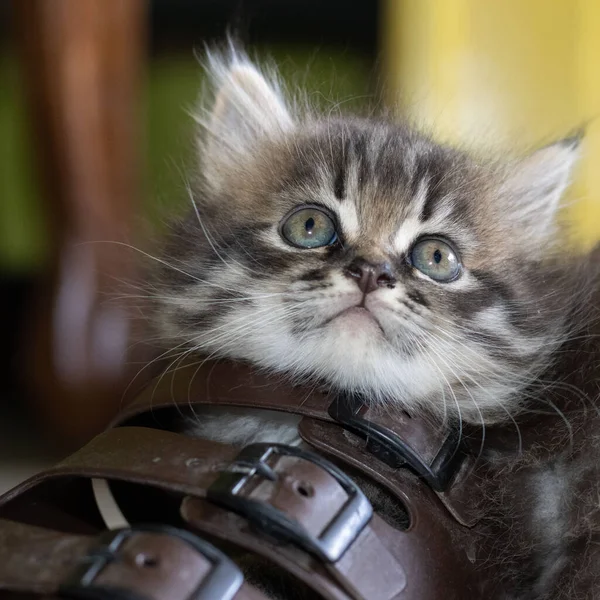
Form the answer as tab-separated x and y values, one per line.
370	276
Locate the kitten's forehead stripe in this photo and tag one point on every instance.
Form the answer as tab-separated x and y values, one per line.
340	166
419	194
249	295
339	185
359	150
431	172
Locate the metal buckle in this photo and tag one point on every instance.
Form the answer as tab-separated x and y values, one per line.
221	583
388	447
335	539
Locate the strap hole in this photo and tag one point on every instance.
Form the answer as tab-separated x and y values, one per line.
304	489
146	561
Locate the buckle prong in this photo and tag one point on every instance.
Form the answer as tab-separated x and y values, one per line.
336	537
252	468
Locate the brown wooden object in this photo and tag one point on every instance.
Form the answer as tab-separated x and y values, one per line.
83	62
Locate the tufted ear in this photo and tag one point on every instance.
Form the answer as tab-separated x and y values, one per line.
536	185
247	107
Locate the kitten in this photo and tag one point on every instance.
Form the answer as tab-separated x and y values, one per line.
362	255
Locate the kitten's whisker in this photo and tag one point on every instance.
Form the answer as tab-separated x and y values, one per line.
459	413
168	370
245	319
164	263
432	362
219	349
176	300
146	254
461	382
208	237
241	246
563	417
530	378
247	323
165	354
500	404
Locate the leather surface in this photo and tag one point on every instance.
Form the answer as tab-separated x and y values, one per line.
430	559
148	565
236	384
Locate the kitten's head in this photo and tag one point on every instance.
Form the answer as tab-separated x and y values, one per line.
361	254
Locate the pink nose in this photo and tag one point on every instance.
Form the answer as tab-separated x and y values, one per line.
370	277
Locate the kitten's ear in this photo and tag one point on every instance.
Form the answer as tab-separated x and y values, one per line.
536	185
247	107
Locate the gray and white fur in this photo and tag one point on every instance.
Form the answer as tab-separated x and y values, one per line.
487	347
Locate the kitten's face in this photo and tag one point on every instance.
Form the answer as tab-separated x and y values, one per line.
362	255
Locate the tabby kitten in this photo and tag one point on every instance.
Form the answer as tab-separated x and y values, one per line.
361	255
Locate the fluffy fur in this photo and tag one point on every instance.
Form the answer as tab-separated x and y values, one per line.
238	289
498	343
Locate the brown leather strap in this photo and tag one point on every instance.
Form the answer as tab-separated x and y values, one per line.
226	383
353	577
162	459
33	559
223	383
303	491
151	563
299	512
462	499
429	565
190	466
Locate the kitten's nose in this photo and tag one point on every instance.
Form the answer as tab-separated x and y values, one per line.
369	276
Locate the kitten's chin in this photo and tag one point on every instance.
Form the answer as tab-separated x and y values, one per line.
356	321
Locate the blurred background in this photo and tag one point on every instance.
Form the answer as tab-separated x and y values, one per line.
94	137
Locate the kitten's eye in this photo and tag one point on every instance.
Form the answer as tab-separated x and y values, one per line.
436	259
309	227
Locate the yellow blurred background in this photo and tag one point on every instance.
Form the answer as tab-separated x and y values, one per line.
94	137
502	74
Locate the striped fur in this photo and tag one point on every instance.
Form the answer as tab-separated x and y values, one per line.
501	341
464	348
